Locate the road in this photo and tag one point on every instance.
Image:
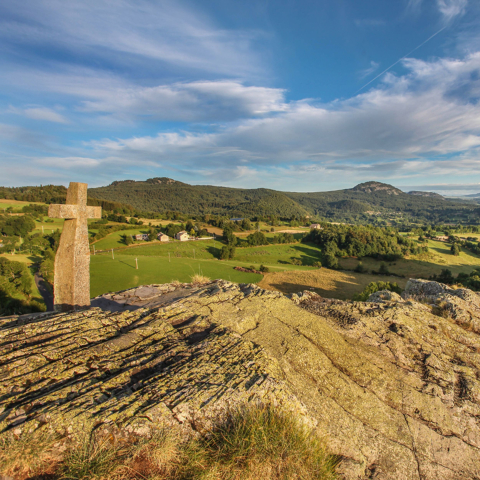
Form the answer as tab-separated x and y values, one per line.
44	292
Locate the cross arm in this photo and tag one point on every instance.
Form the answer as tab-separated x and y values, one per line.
63	211
94	212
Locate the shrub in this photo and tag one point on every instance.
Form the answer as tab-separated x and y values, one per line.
360	268
376	287
227	252
330	261
383	269
264	269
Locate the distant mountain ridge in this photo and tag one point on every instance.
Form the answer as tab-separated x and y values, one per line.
426	194
163	194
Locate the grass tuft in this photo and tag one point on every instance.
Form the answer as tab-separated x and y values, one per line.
29	454
198	279
252	443
260	443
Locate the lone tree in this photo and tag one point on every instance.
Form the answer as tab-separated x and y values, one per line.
455	250
228	235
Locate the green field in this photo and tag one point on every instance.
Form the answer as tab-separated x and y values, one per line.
50	226
29	260
279	255
424	265
114	240
108	275
15	204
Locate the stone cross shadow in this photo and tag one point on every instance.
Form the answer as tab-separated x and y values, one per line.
72	261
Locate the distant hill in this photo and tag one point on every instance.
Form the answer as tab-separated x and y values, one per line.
166	194
356	204
370	187
427	194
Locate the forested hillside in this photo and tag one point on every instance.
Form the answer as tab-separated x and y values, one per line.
160	195
364	203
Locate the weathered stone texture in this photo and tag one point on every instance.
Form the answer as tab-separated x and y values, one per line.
394	386
72	261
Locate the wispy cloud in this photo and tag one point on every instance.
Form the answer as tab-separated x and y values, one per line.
370	22
194	101
414	6
39	113
420	114
368	71
129	32
452	8
449	9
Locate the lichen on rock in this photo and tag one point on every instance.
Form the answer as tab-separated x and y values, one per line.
393	384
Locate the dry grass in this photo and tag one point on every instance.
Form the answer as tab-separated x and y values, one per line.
325	282
198	279
30	454
251	444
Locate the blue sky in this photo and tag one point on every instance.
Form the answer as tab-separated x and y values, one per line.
294	95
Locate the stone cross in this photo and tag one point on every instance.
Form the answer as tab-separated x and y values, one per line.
72	262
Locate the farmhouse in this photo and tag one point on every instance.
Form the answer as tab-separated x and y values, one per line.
162	237
315	226
182	236
141	236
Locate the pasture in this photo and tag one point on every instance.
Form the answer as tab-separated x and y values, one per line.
15	204
110	275
424	265
325	282
29	260
114	240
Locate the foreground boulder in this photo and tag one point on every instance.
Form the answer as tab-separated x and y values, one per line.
393	384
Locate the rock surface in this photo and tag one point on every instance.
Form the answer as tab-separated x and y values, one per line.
394	385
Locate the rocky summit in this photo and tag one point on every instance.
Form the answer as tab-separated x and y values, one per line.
393	384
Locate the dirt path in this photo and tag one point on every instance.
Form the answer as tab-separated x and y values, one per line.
44	291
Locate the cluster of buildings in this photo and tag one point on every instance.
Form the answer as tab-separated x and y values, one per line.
182	236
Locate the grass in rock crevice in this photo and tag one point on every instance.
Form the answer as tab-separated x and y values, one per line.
251	443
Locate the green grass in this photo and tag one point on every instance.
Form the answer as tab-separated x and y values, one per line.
111	275
276	256
29	260
279	255
114	240
206	249
50	226
260	443
423	265
16	204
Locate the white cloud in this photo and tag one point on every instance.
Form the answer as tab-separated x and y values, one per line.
449	9
430	111
194	101
68	162
39	113
452	8
128	31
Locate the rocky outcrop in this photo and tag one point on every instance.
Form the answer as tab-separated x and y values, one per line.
370	187
393	384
